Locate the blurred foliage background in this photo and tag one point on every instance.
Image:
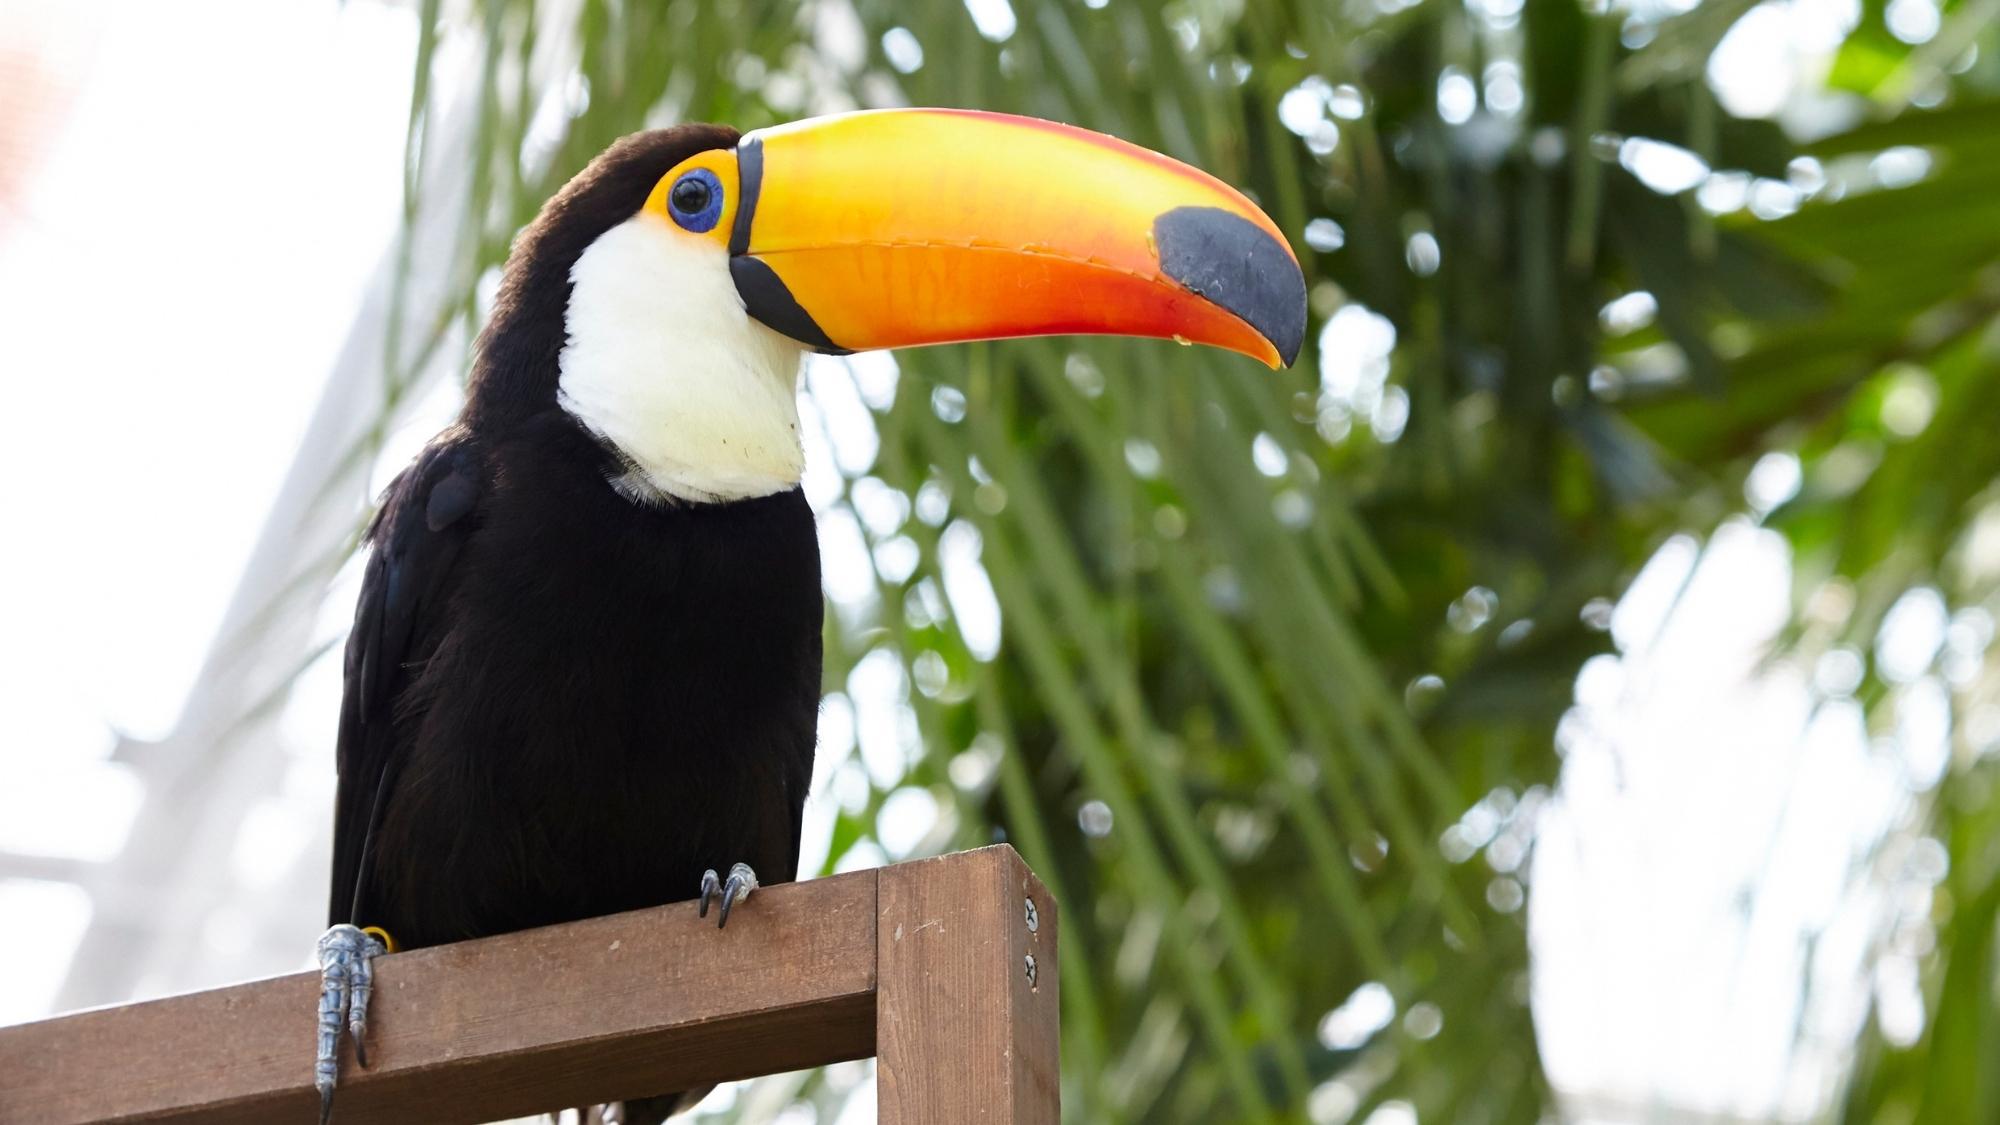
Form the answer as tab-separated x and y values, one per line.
1281	658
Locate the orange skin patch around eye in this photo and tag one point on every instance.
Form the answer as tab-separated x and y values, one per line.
722	162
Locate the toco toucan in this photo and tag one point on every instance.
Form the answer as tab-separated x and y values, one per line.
584	671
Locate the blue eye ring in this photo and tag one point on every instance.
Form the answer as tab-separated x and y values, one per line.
695	200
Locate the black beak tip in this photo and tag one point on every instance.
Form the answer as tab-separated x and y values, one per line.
1291	338
1238	266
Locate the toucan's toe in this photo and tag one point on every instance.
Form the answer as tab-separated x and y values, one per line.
346	984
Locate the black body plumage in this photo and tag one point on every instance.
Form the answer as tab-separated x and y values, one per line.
561	703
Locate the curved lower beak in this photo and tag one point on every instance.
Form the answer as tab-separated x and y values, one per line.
895	228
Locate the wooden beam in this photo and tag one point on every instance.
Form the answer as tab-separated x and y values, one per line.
627	1005
966	993
932	954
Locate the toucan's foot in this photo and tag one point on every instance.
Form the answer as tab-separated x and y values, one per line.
346	981
741	882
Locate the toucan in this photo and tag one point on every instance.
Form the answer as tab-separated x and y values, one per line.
584	671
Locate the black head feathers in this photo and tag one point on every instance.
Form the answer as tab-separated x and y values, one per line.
515	371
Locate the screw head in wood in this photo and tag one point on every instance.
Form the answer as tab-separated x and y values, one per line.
1030	965
1034	917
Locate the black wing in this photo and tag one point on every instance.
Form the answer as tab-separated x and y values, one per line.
415	538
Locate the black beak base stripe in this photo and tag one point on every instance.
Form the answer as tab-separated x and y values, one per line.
749	181
764	293
766	298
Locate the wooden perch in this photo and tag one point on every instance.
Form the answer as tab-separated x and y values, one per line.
945	969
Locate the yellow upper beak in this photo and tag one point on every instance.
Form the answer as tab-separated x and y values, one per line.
895	228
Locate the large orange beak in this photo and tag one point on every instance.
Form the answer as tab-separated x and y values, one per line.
895	228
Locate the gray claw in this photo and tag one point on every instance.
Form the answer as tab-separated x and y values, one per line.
709	886
741	882
346	981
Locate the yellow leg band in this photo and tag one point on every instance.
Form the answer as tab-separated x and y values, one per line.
382	936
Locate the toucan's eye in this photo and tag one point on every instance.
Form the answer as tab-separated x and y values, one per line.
695	200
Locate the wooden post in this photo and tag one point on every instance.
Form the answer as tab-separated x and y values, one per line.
965	993
925	964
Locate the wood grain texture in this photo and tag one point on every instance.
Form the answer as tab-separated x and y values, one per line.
964	1033
626	1005
925	964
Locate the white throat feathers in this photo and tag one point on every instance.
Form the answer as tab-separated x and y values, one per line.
661	362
